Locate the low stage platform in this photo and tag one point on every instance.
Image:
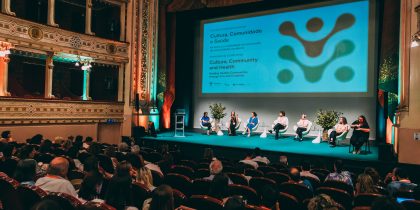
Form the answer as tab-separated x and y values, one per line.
285	144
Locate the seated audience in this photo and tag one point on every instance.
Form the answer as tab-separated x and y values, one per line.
9	161
258	158
338	129
25	172
295	178
360	133
123	147
306	171
365	184
6	137
283	161
374	175
162	199
219	187
216	167
92	184
37	139
248	160
118	193
111	152
399	182
144	177
302	125
55	180
280	123
322	202
339	174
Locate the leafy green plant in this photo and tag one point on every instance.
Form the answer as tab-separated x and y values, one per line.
327	118
217	111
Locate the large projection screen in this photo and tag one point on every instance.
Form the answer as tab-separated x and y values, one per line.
313	49
299	59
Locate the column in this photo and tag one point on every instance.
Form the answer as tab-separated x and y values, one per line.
51	13
122	21
88	20
49	66
5	7
86	84
120	82
4	67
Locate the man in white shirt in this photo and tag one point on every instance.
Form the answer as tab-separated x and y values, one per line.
248	160
216	167
55	180
306	168
259	158
280	123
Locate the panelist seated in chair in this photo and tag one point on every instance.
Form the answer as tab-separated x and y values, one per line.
280	123
340	128
233	122
205	122
252	123
302	126
360	133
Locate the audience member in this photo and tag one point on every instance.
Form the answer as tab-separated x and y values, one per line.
111	152
144	177
374	175
9	162
399	182
306	171
37	139
365	184
25	172
162	199
118	193
123	147
55	180
295	178
322	202
248	160
92	183
259	158
216	167
87	143
339	174
283	161
219	186
6	137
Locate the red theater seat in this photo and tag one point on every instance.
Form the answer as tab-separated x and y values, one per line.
267	169
366	199
139	194
301	192
278	177
179	182
8	194
190	163
258	184
67	202
237	178
288	202
179	198
183	170
202	172
205	202
411	204
338	195
29	195
253	172
97	206
248	193
339	185
314	182
201	186
157	178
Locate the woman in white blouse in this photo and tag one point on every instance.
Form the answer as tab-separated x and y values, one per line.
302	124
280	123
339	129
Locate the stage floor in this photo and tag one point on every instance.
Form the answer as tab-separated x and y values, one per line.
285	144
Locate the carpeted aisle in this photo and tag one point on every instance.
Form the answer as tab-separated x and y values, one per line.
284	144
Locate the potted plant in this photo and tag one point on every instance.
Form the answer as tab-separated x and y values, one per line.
217	111
327	119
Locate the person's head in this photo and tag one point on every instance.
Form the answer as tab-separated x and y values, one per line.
25	170
27	152
144	176
342	120
59	166
283	160
254	114
136	161
9	150
88	140
162	198
362	119
95	148
248	156
37	139
45	146
365	184
282	114
235	203
219	186
338	166
6	134
78	139
385	203
216	167
257	151
294	174
67	144
110	152
303	116
122	147
400	173
205	114
91	164
373	174
306	166
322	202
47	204
232	114
135	149
123	169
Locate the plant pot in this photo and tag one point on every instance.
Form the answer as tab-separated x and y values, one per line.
216	125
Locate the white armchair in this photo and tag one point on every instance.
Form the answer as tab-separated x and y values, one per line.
255	128
282	131
238	124
342	136
308	129
205	127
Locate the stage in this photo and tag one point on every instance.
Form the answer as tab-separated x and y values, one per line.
285	144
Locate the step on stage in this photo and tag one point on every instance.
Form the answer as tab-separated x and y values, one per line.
285	144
